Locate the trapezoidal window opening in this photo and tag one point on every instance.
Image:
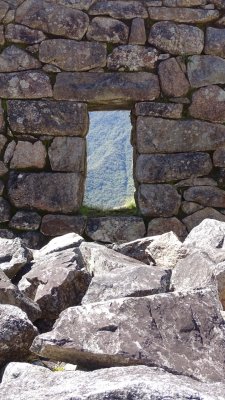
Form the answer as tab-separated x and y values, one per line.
109	180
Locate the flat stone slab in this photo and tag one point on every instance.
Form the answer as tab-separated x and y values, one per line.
104	29
170	167
25	84
57	225
159	135
128	282
205	70
158	200
94	88
70	55
115	229
176	39
53	18
186	15
51	192
13	58
119	9
46	117
164	110
21	380
187	341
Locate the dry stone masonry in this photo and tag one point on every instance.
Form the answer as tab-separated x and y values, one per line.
162	59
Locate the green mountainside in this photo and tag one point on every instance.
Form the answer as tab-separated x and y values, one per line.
109	181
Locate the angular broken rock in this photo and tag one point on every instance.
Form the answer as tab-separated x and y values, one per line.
187	341
136	382
134	281
53	18
13	256
55	282
46	117
115	229
208	234
17	334
99	260
10	294
166	250
58	244
70	55
176	39
135	249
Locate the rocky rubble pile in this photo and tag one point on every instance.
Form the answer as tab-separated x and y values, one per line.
138	321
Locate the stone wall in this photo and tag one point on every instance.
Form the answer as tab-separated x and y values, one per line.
164	60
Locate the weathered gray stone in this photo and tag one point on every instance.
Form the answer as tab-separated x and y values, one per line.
187	340
6	234
205	70
99	260
52	192
169	167
70	55
183	3
56	282
58	244
115	229
25	84
195	219
2	187
209	234
159	226
164	110
13	256
215	42
13	58
2	125
57	225
132	58
51	68
208	103
17	334
110	30
32	239
67	154
2	36
10	294
3	9
135	249
172	79
119	9
159	135
9	152
137	382
166	250
94	88
219	157
52	18
207	196
137	31
78	4
158	200
3	169
29	155
189	207
193	181
25	221
186	15
47	117
128	282
5	210
176	39
22	34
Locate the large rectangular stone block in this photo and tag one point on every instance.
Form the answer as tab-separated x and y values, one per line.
52	192
46	117
158	200
159	135
107	88
169	167
25	85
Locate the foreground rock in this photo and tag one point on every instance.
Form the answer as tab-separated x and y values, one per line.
13	256
10	294
129	282
16	334
56	282
138	382
135	249
187	341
